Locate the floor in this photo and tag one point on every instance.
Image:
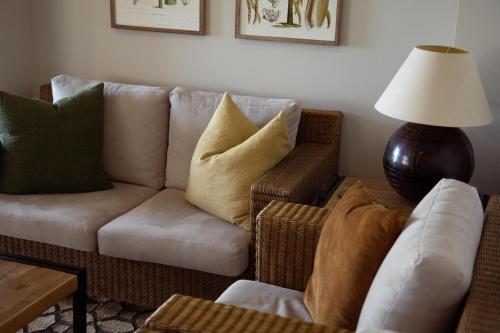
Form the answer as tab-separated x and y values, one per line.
103	316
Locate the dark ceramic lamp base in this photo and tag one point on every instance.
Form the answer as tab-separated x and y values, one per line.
418	156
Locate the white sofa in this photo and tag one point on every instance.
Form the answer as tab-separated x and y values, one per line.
141	241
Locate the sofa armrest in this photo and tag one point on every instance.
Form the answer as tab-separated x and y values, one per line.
287	236
481	311
46	92
187	314
299	178
320	126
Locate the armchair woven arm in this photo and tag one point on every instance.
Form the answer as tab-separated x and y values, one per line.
187	314
299	178
46	92
311	166
320	126
287	236
482	307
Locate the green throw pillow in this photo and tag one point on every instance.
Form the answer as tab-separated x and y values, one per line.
49	148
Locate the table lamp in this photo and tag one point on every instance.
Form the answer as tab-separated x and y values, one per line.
436	91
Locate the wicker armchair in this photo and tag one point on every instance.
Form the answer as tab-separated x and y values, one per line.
299	178
287	236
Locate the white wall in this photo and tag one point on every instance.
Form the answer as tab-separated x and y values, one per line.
15	47
74	36
478	29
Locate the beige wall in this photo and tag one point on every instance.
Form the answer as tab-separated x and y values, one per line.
478	29
15	50
75	37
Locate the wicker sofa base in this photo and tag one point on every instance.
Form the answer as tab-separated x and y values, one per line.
145	284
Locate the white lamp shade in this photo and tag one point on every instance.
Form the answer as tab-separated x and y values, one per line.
437	85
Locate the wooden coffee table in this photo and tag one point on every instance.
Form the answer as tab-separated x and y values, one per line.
28	289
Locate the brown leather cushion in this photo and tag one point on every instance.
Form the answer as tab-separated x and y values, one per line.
353	243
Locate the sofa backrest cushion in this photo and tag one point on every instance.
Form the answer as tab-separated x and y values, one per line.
135	129
191	112
425	276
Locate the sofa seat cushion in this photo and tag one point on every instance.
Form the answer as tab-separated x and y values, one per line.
191	112
266	298
168	230
67	220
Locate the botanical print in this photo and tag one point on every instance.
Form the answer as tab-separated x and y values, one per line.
167	2
159	14
312	20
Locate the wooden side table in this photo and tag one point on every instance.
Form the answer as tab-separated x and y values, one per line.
380	189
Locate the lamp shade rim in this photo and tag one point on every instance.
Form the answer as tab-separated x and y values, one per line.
450	50
439	86
448	123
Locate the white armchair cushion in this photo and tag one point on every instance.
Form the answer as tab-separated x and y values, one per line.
271	299
421	284
267	298
191	112
135	129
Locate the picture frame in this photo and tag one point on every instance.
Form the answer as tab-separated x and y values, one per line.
292	21
172	16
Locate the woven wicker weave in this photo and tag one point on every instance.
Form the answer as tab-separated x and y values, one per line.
482	307
187	314
287	236
318	126
46	92
298	178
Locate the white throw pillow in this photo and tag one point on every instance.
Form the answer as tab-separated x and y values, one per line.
192	110
422	282
135	129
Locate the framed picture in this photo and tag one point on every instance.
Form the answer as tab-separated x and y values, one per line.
178	16
296	21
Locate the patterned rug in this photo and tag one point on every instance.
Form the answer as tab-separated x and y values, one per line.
103	316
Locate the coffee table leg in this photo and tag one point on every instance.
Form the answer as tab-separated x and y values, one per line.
79	311
80	305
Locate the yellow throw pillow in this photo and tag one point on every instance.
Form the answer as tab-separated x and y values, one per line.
231	155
